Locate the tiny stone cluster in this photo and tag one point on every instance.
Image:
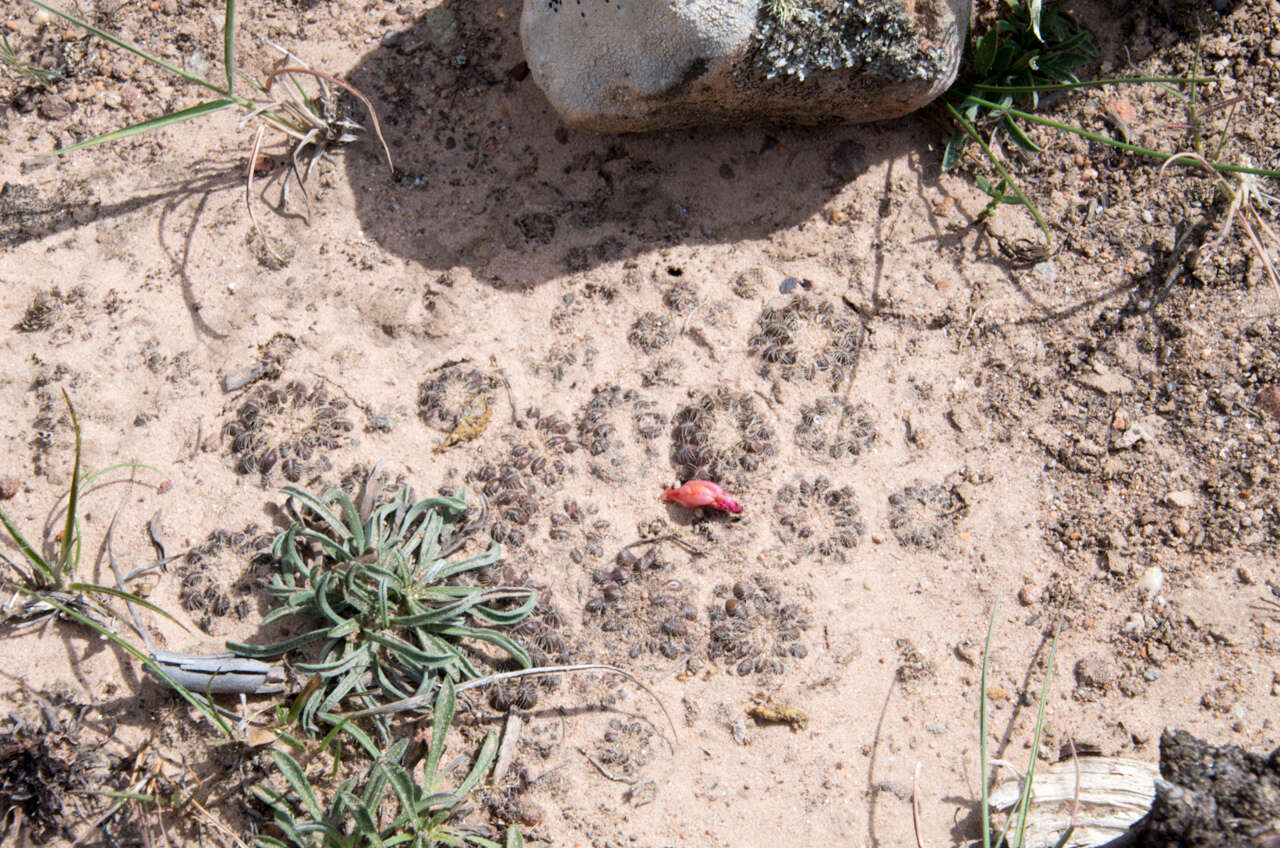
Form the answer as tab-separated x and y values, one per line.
806	338
829	428
719	436
650	332
450	391
598	421
822	520
512	482
650	611
920	515
203	590
754	629
289	427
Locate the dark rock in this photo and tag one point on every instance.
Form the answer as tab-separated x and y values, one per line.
1212	797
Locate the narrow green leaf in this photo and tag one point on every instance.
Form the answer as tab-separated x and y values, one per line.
352	516
515	840
406	792
1033	10
352	730
130	46
65	563
446	703
493	637
319	508
1024	805
985	53
125	596
229	46
954	151
364	821
488	751
984	776
146	126
297	780
1020	137
275	649
37	561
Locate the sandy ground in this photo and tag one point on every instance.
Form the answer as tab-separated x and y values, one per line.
964	422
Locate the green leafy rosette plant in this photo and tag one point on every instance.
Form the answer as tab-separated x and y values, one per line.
390	622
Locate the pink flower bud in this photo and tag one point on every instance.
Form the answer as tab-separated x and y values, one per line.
696	493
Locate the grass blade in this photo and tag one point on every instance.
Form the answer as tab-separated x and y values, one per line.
130	46
187	114
229	46
130	597
150	664
37	561
982	729
1024	805
999	166
65	562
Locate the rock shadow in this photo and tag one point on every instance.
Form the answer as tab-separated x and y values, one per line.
487	177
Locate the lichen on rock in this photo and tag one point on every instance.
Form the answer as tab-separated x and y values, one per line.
800	37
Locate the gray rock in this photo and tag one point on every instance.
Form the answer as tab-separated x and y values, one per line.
641	65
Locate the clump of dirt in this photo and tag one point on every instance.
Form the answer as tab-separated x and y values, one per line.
754	628
829	428
1214	797
215	575
292	427
681	298
650	332
624	749
913	666
33	783
51	308
721	436
645	608
806	338
921	515
28	213
818	519
43	765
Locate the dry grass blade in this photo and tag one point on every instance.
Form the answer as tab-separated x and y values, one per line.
420	701
321	75
1244	199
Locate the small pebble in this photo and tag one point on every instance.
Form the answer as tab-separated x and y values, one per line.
1152	581
9	487
1181	527
1269	401
1181	498
1028	595
1245	576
